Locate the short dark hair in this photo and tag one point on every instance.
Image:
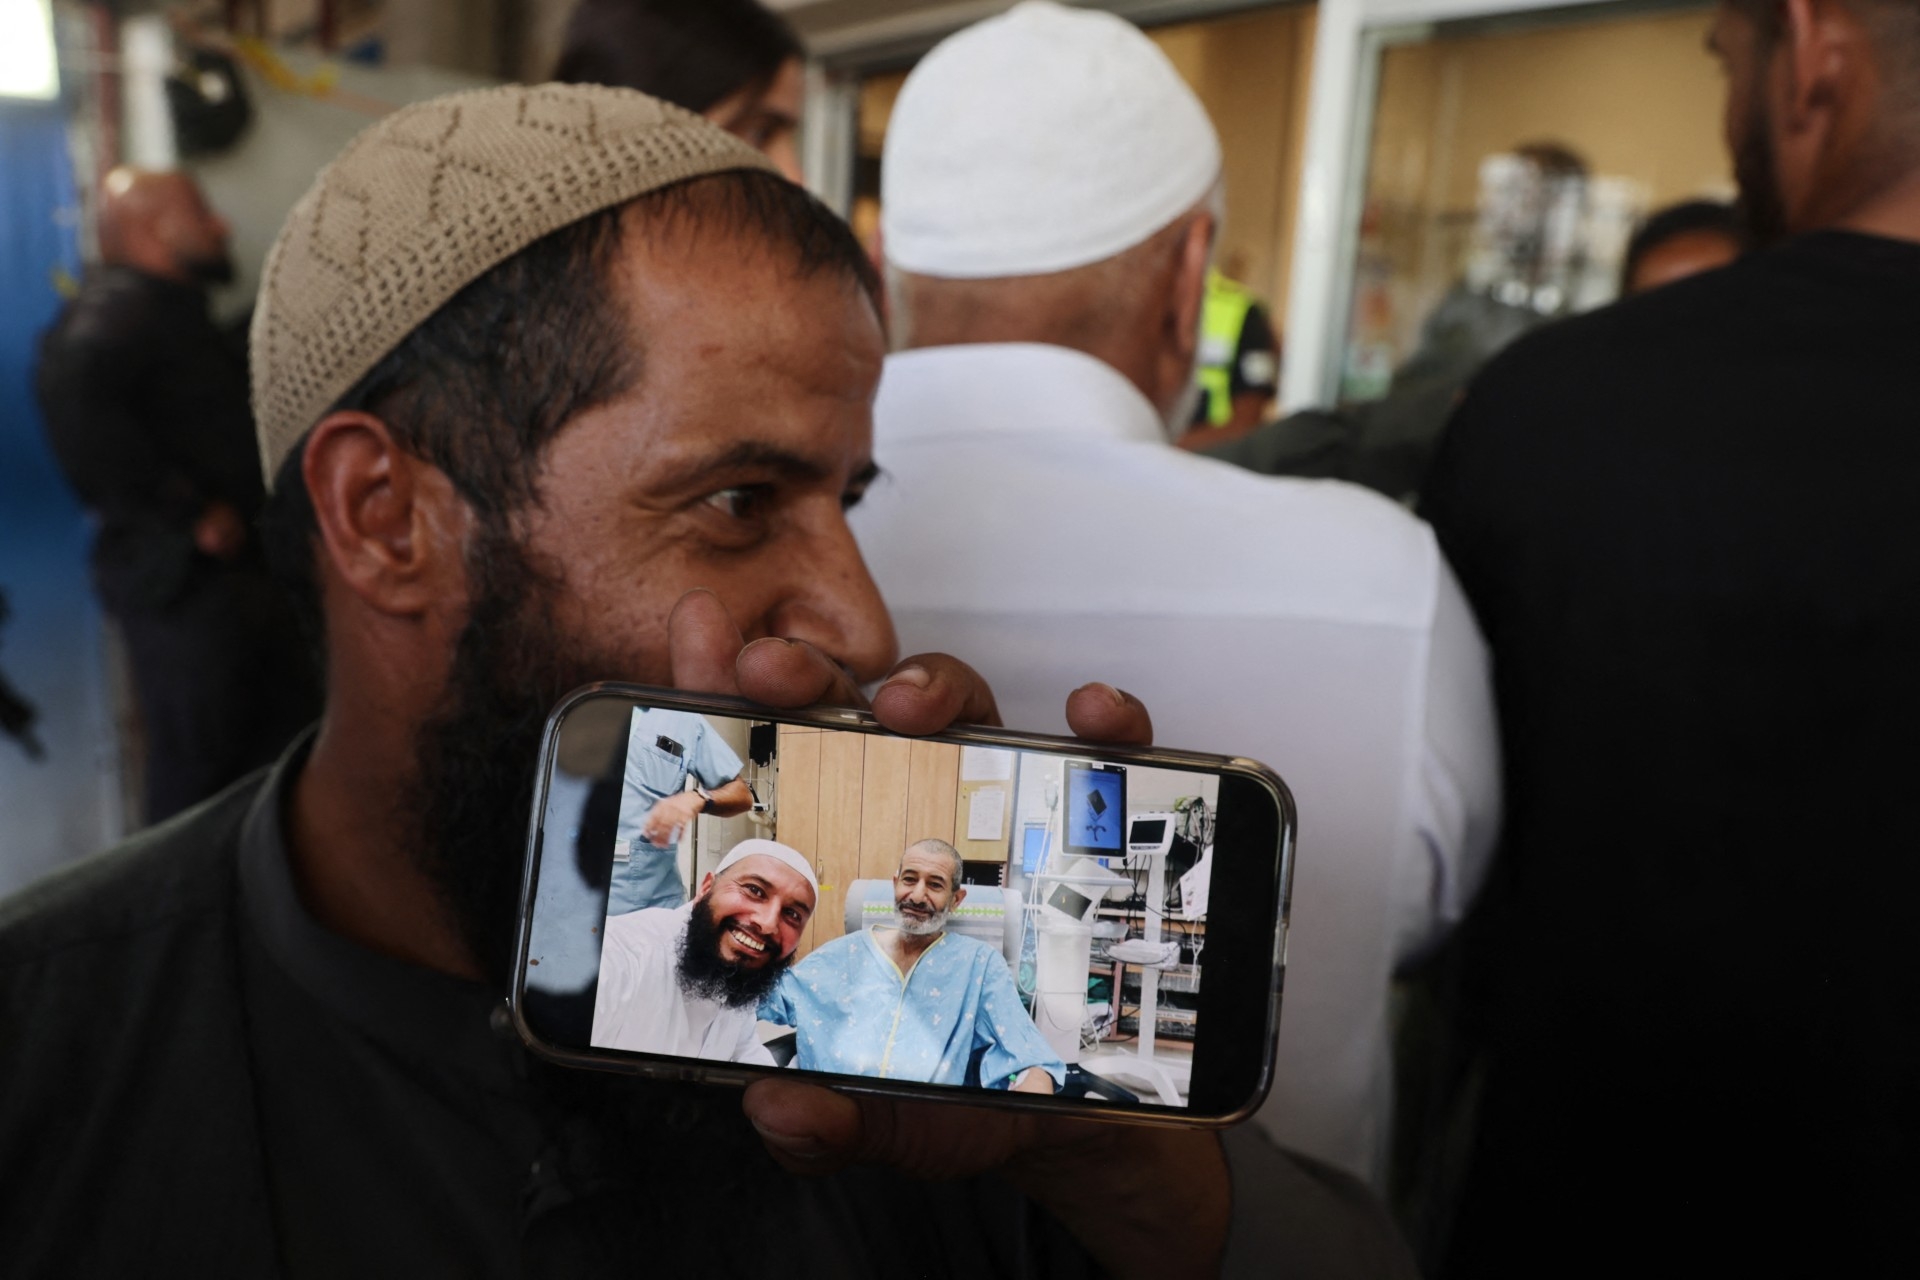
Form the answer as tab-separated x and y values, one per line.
1686	218
483	386
942	848
693	53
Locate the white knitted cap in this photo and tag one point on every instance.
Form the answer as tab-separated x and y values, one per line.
1040	140
770	849
431	198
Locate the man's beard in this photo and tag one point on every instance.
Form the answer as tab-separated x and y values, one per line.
210	271
707	975
1758	178
468	803
934	923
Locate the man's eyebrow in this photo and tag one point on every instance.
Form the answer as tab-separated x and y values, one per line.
770	886
749	455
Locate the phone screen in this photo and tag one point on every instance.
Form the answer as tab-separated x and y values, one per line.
733	889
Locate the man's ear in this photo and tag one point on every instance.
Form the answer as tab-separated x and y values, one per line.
1189	292
706	885
1825	57
959	895
391	525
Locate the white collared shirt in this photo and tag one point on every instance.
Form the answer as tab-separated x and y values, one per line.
1034	521
640	1005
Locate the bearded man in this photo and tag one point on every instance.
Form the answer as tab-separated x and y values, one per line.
1688	526
915	1002
554	384
145	401
685	980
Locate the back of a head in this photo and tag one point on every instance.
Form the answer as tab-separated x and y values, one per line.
1691	219
1039	141
692	53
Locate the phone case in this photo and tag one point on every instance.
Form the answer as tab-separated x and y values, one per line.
837	718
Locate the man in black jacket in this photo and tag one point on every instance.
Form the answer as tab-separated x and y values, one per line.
146	408
1688	525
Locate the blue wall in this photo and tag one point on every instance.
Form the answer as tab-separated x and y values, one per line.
67	804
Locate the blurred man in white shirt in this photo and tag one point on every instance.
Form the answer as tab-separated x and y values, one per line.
1050	198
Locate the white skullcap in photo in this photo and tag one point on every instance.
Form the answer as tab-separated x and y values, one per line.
1040	140
770	849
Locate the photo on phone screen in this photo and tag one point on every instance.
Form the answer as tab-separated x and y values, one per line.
794	896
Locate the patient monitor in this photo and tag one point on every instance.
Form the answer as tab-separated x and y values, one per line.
1149	835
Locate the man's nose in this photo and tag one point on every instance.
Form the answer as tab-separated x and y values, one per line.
837	608
765	917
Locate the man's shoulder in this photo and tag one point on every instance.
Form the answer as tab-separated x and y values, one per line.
170	875
1669	325
125	1054
974	953
834	949
109	312
645	926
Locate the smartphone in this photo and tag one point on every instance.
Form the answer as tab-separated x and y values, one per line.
716	891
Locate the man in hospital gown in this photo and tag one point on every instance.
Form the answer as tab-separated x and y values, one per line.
916	1002
665	750
684	980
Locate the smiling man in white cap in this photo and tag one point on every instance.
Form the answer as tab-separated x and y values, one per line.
1049	196
685	980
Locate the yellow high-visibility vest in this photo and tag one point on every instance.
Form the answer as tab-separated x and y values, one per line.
1222	316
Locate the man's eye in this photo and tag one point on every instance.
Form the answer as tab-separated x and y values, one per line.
754	891
742	502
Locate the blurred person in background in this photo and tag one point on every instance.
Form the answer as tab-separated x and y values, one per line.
1682	240
1518	282
733	61
1239	367
1034	510
1688	525
17	715
146	408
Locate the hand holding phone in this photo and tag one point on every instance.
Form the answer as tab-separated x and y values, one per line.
1166	1189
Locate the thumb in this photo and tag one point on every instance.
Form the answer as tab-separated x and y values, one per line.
807	1129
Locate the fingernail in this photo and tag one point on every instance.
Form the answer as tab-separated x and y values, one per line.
1113	695
918	677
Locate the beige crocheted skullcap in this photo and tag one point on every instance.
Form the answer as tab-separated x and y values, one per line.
429	199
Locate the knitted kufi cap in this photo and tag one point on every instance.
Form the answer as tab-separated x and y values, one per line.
430	199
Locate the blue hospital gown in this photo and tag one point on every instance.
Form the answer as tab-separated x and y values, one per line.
855	1015
650	875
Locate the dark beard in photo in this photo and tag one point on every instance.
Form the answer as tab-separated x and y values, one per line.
472	793
705	976
1758	179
